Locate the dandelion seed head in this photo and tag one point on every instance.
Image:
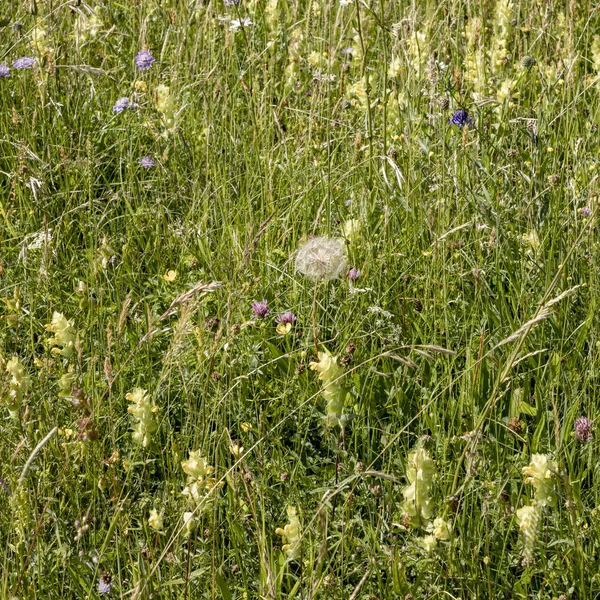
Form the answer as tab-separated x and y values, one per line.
322	258
144	60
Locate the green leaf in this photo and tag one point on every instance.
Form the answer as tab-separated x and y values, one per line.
223	586
527	409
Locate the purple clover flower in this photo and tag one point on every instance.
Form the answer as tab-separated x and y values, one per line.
583	429
144	60
285	318
460	118
4	71
146	162
25	62
260	309
353	274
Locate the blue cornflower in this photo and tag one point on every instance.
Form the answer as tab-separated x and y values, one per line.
144	60
25	62
147	162
4	71
460	118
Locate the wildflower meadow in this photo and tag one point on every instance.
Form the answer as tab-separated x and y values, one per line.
299	299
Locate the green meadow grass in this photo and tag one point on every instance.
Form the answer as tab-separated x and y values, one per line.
471	332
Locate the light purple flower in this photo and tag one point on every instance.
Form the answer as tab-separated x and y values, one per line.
231	2
146	162
285	318
25	62
260	309
583	429
585	212
4	71
144	60
353	274
104	584
122	104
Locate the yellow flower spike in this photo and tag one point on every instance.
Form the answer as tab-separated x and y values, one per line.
64	335
143	410
291	534
352	230
17	386
170	275
420	470
331	374
196	466
539	472
155	520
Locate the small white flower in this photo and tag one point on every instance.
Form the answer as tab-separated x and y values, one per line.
39	240
346	2
237	24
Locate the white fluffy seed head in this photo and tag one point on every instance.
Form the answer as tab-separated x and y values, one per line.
322	258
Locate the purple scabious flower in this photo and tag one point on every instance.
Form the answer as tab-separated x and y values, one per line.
144	60
285	318
25	62
260	309
105	583
146	162
122	104
585	212
231	2
460	118
353	274
4	71
583	429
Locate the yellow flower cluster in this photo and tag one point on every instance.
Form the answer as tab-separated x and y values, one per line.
291	534
143	410
165	105
502	23
39	43
540	472
529	519
199	483
17	386
331	374
63	341
420	470
87	26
